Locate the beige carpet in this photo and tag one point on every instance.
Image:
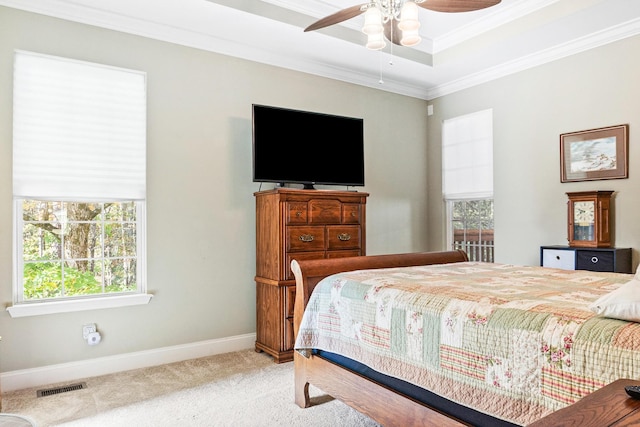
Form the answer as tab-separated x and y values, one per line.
235	389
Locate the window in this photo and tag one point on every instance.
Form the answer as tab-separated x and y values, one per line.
72	249
79	185
467	158
471	224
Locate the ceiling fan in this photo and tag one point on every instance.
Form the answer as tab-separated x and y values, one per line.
397	19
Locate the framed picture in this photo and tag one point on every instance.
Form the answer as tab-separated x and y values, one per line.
595	154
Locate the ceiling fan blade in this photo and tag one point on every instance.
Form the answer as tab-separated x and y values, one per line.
457	5
337	17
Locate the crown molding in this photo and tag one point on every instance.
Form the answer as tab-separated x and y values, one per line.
619	32
66	10
101	18
493	20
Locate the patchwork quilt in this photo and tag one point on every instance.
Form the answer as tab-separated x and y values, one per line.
512	341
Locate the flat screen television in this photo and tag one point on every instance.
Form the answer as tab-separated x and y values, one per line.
303	147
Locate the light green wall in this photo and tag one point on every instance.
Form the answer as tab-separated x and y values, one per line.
531	109
201	229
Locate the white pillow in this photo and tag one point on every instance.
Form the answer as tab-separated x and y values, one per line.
637	276
623	303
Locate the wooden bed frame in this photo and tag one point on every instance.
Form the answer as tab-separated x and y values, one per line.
382	404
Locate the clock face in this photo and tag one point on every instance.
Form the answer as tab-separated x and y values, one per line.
583	213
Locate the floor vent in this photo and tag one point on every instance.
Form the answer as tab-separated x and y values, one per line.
62	389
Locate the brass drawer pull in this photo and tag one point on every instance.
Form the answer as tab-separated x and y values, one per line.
344	237
306	237
298	214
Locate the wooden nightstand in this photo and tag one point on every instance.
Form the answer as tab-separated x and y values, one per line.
608	407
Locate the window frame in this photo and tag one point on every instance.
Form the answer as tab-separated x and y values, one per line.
449	216
21	308
474	133
96	177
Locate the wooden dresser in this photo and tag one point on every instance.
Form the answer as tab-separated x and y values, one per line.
298	224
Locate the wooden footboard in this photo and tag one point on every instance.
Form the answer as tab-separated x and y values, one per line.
378	402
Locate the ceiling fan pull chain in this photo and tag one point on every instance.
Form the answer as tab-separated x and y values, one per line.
391	46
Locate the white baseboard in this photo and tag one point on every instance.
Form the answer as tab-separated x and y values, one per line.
36	377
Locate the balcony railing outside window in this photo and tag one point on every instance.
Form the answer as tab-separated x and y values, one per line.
478	244
472	228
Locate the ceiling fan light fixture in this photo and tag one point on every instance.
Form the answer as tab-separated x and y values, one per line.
376	41
409	17
372	21
410	38
387	18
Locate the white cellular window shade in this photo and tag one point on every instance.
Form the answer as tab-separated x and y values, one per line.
467	156
79	130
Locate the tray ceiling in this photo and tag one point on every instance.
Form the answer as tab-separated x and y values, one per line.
457	50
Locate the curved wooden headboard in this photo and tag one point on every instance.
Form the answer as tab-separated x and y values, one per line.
309	273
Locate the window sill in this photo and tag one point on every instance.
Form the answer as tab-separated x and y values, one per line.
53	307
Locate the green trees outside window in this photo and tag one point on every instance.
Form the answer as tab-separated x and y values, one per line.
78	248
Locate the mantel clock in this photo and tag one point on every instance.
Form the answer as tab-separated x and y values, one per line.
589	219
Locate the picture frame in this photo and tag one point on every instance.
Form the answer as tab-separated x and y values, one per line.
595	154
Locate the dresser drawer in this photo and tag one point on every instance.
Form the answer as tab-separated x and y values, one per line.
351	213
296	213
559	258
343	237
305	239
344	254
325	211
594	260
300	256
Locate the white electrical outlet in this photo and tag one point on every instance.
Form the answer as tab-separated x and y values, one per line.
88	329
